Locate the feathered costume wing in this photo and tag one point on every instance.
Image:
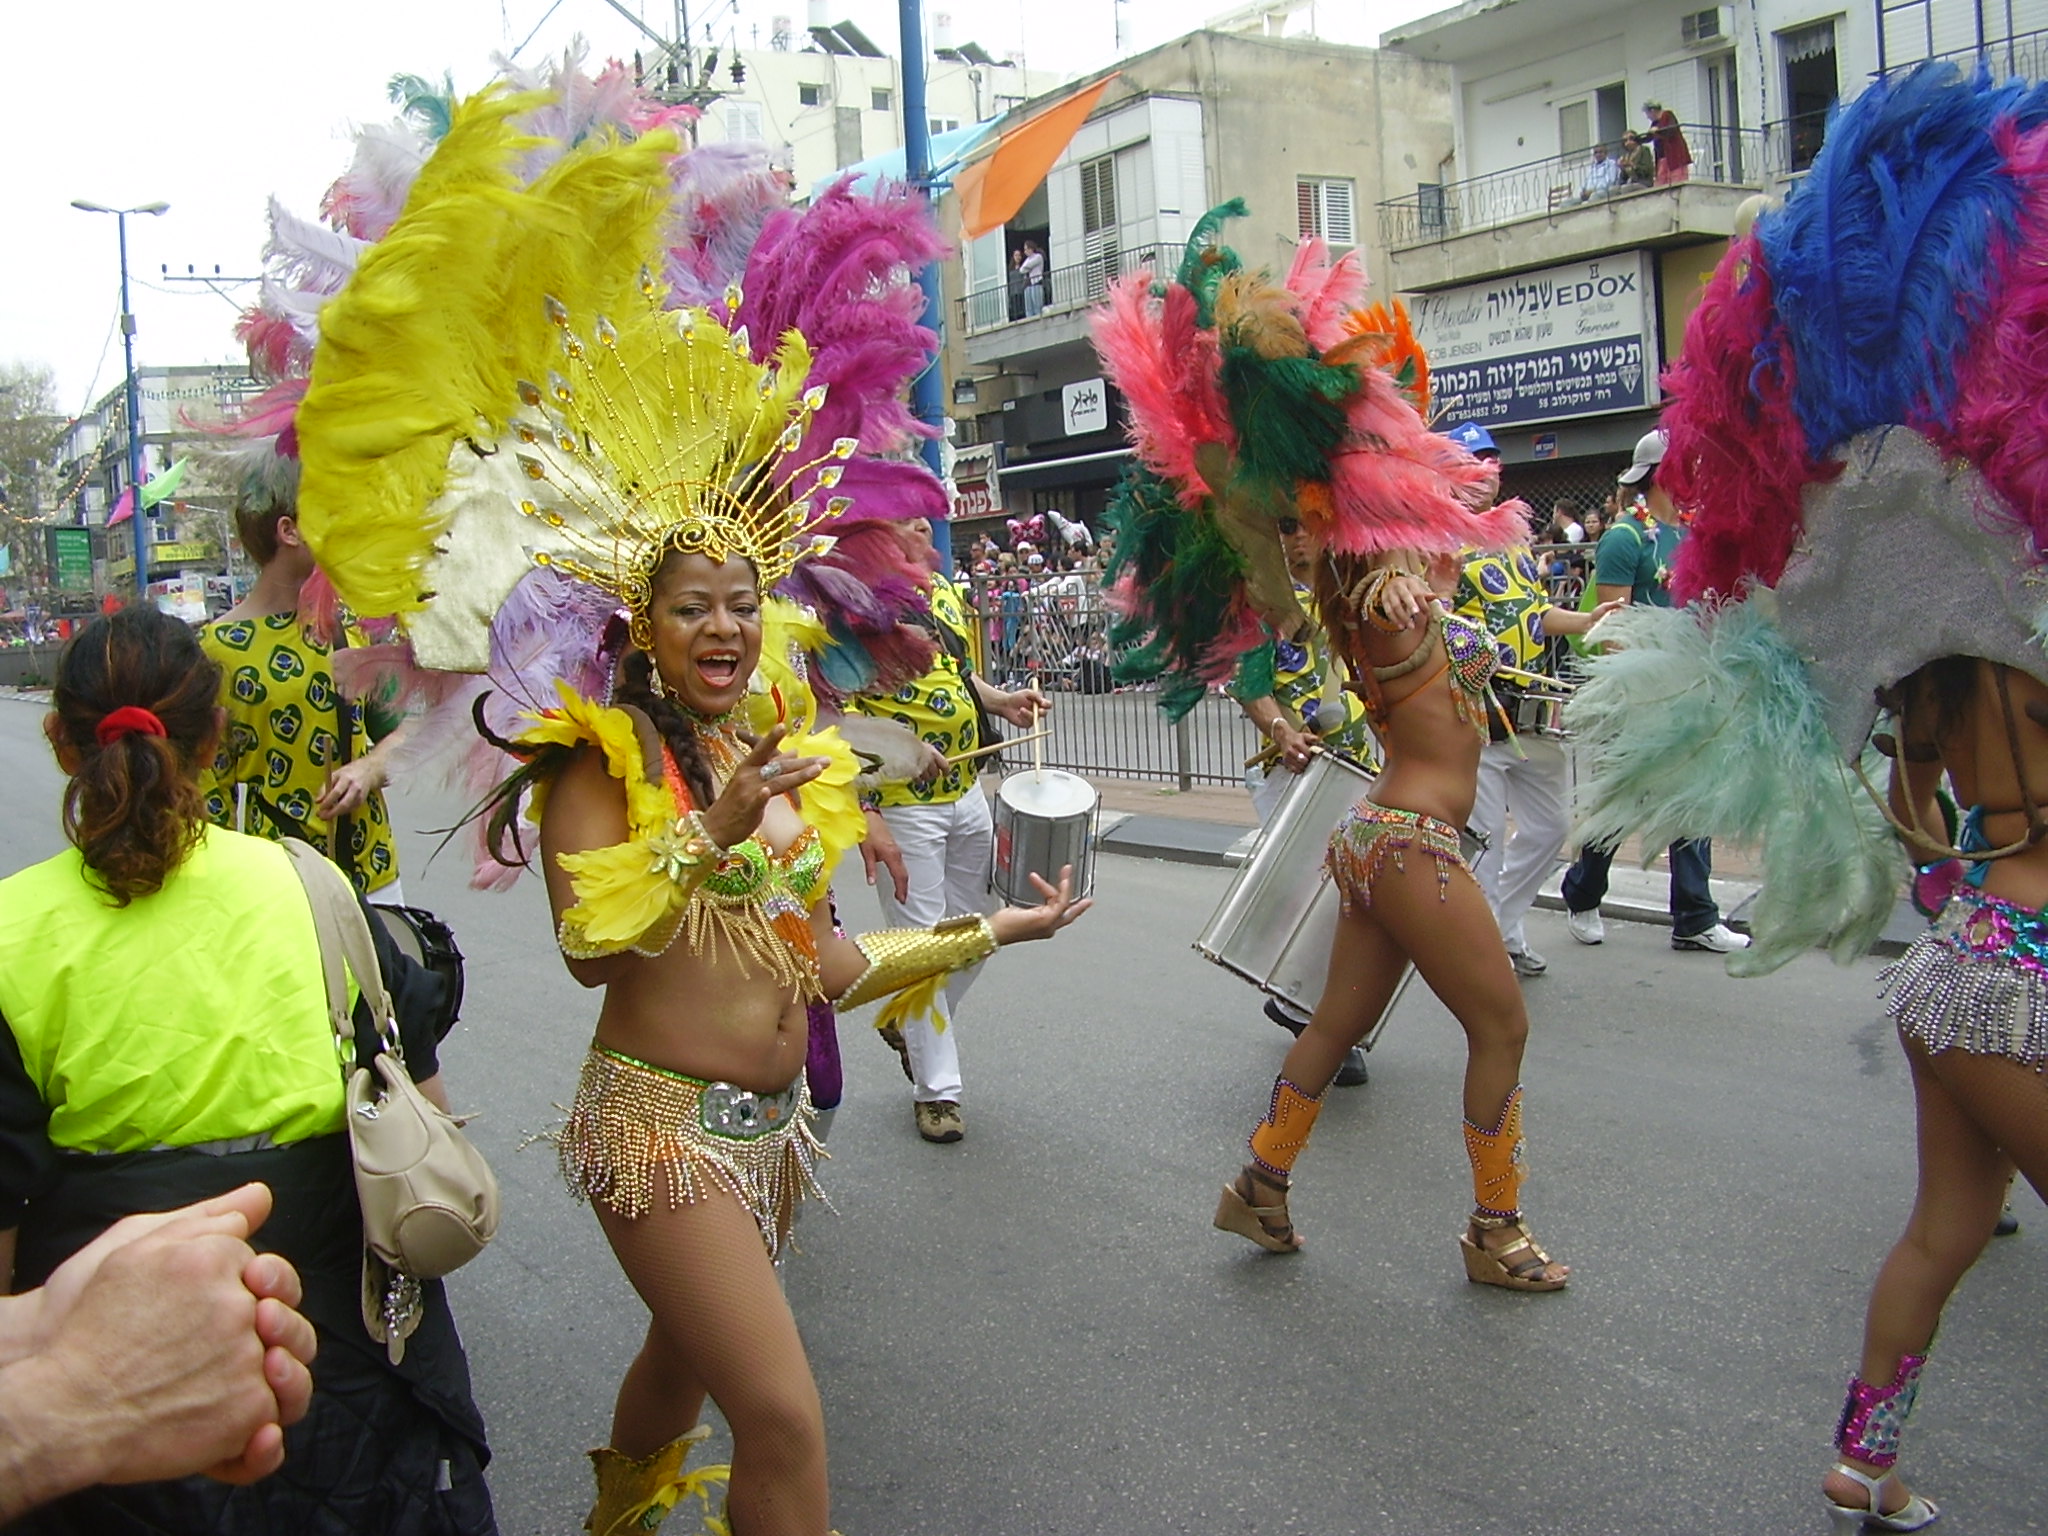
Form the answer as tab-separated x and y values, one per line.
1857	423
1251	399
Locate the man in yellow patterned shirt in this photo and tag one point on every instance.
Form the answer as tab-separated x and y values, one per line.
296	759
935	835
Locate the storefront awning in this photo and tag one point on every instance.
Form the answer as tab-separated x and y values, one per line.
1082	469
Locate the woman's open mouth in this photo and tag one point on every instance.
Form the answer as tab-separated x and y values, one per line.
718	668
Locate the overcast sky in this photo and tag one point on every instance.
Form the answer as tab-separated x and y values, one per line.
212	105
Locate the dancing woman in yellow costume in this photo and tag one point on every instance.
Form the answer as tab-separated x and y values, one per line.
571	451
1258	401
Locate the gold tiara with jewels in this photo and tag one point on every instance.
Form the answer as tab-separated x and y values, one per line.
658	432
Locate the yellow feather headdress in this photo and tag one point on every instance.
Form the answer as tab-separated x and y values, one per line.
498	388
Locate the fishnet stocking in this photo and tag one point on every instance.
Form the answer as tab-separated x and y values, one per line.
722	1327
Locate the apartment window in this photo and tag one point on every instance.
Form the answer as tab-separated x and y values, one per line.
1812	82
881	101
1324	205
1005	103
812	95
745	122
942	124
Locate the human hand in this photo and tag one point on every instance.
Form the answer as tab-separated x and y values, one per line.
1015	925
879	850
934	765
174	1349
348	787
1022	706
1295	747
1600	611
1405	597
761	775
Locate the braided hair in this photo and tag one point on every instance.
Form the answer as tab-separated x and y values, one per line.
637	687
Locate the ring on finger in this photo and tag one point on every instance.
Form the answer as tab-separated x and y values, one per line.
771	771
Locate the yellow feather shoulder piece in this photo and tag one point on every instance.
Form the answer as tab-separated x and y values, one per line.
580	721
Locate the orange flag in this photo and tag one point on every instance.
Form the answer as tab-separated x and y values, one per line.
994	185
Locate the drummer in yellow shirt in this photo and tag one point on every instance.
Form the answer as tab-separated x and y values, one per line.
935	835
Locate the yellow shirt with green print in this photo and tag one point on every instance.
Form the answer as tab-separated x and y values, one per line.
936	708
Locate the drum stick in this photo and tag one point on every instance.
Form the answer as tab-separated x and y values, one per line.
1037	737
1537	679
993	747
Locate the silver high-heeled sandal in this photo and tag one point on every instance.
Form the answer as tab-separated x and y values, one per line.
1916	1514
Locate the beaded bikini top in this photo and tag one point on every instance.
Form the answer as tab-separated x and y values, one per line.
1469	658
755	902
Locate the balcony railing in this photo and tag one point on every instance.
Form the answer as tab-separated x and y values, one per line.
2024	57
1067	288
1736	157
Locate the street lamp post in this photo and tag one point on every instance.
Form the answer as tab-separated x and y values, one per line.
134	391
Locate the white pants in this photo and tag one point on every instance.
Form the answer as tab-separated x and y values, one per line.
1538	791
1267	786
947	852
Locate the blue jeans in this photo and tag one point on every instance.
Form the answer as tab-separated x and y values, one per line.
1692	902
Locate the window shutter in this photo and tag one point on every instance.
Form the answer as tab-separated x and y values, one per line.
1339	228
1305	207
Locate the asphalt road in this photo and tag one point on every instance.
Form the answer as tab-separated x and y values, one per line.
1037	1332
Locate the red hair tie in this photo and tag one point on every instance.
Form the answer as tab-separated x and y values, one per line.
126	720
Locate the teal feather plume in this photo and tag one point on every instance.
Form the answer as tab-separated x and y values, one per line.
1705	724
1257	673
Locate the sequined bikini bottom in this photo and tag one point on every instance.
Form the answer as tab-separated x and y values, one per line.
1370	834
632	1122
1976	980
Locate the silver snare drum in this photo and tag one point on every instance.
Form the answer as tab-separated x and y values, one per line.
1276	923
1045	821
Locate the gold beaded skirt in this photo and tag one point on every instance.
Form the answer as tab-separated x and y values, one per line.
634	1123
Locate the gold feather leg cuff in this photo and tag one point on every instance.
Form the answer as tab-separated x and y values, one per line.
899	958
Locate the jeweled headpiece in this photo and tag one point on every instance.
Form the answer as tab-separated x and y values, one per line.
658	433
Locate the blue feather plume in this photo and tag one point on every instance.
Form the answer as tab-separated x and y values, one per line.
1881	259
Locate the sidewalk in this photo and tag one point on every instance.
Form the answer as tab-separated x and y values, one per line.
1214	825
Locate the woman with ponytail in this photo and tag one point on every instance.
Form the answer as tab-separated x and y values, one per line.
166	1040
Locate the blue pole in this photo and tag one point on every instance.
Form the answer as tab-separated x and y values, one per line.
134	421
926	403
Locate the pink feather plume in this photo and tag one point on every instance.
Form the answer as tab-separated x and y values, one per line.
1167	367
1328	291
2001	418
1734	449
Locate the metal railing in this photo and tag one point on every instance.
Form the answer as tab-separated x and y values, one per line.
2023	57
1054	633
1066	288
1737	157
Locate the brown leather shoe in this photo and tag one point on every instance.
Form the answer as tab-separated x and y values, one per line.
940	1121
892	1036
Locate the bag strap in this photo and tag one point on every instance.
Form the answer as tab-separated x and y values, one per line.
344	940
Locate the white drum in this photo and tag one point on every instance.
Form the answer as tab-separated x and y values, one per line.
1275	924
1045	820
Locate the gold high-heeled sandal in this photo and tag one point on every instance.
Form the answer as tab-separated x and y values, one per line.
1266	1225
1518	1266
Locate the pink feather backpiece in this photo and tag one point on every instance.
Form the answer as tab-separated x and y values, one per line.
1328	291
1166	367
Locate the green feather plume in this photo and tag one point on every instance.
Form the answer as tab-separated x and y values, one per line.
1205	260
1289	422
1257	673
1706	725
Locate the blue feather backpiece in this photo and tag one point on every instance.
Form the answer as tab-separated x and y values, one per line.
1881	257
1706	725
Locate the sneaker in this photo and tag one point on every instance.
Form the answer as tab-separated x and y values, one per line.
1353	1073
1720	939
892	1036
939	1120
1586	927
1282	1015
1528	963
2007	1223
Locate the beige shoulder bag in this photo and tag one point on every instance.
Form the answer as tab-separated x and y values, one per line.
428	1198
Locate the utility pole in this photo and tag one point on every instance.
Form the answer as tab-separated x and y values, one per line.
134	390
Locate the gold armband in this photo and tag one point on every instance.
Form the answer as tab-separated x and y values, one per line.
907	964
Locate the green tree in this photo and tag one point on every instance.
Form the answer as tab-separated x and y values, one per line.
30	428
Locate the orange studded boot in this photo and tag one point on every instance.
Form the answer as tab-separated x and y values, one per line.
1497	1172
1275	1142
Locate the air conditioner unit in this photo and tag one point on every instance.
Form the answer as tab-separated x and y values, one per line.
1698	29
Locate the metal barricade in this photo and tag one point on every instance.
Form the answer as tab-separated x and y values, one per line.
1053	632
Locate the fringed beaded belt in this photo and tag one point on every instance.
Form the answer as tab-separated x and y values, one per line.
632	1122
1976	980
